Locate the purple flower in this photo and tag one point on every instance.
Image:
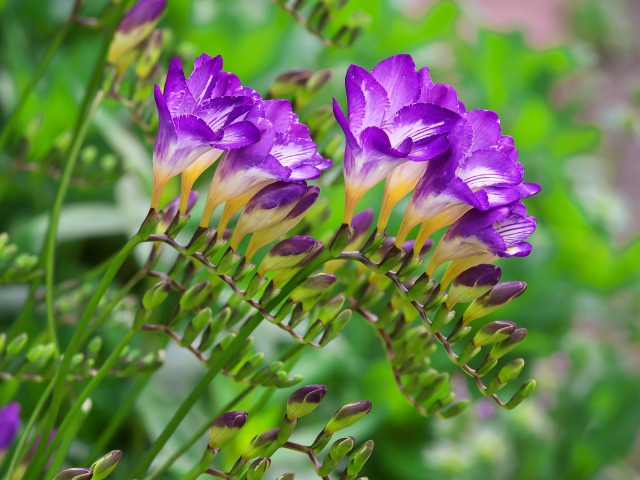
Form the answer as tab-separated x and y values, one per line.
482	237
477	172
285	152
197	115
388	124
134	27
267	208
9	424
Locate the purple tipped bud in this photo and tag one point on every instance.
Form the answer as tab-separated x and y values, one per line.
473	283
495	298
304	401
171	209
75	474
347	416
135	26
290	253
260	443
408	246
225	427
9	424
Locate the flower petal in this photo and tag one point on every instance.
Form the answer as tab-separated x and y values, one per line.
238	135
175	86
486	128
398	76
366	99
489	167
419	121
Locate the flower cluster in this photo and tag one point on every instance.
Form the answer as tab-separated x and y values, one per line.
463	172
266	155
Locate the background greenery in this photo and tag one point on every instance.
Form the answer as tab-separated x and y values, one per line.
560	74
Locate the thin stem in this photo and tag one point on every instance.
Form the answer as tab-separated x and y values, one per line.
197	392
72	349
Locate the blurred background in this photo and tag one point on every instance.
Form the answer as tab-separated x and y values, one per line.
564	76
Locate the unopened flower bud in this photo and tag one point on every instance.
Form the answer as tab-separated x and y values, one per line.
287	476
360	224
491	301
150	55
260	443
225	427
348	415
289	253
473	283
155	296
359	458
75	474
258	468
16	345
341	239
313	286
305	400
134	27
493	332
103	467
9	424
505	346
523	392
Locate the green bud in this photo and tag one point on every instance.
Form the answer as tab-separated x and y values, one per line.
338	451
201	238
229	261
76	360
433	391
469	351
16	345
505	346
75	474
458	332
487	365
258	468
335	327
494	299
155	296
150	55
391	259
260	443
149	225
287	476
284	311
341	239
25	261
409	267
347	416
103	467
313	331
455	409
289	381
442	318
3	342
4	240
373	243
421	287
312	286
330	309
195	296
511	370
249	366
225	427
305	400
493	332
523	392
359	458
254	286
297	315
94	346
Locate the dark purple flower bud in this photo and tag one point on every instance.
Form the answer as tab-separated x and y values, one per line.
225	427
9	424
347	416
360	224
135	26
75	474
473	283
491	301
304	401
290	253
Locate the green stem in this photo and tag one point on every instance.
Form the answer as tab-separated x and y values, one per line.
44	64
72	349
196	393
17	455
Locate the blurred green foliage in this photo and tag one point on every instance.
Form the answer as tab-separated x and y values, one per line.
581	307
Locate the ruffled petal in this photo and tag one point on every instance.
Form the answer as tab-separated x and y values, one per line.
398	76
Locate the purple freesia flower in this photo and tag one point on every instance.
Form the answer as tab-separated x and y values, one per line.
134	27
268	207
476	172
482	237
9	424
387	124
285	152
197	115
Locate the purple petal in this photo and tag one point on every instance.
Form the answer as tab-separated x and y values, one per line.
166	130
309	198
516	228
292	151
280	114
342	121
219	111
237	135
9	424
398	76
419	121
486	128
175	85
296	245
428	148
143	12
442	95
305	172
366	99
484	168
276	195
203	79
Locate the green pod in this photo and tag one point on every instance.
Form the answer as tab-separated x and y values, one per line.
16	345
523	392
103	467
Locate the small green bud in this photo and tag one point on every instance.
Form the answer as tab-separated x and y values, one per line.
4	240
373	243
433	391
347	416
150	54
338	451
511	370
260	443
3	342
305	400
455	409
103	467
254	286
359	458
75	474
494	299
312	286
225	427
331	309
229	261
442	317
16	345
391	259
469	351
493	332
25	261
249	366
95	345
200	239
258	468
195	296
313	331
289	381
155	296
487	365
523	392
284	311
287	476
421	287
505	346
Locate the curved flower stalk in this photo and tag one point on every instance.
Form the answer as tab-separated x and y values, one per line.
483	237
285	153
388	124
135	26
197	115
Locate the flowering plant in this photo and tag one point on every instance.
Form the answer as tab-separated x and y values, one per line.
212	291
